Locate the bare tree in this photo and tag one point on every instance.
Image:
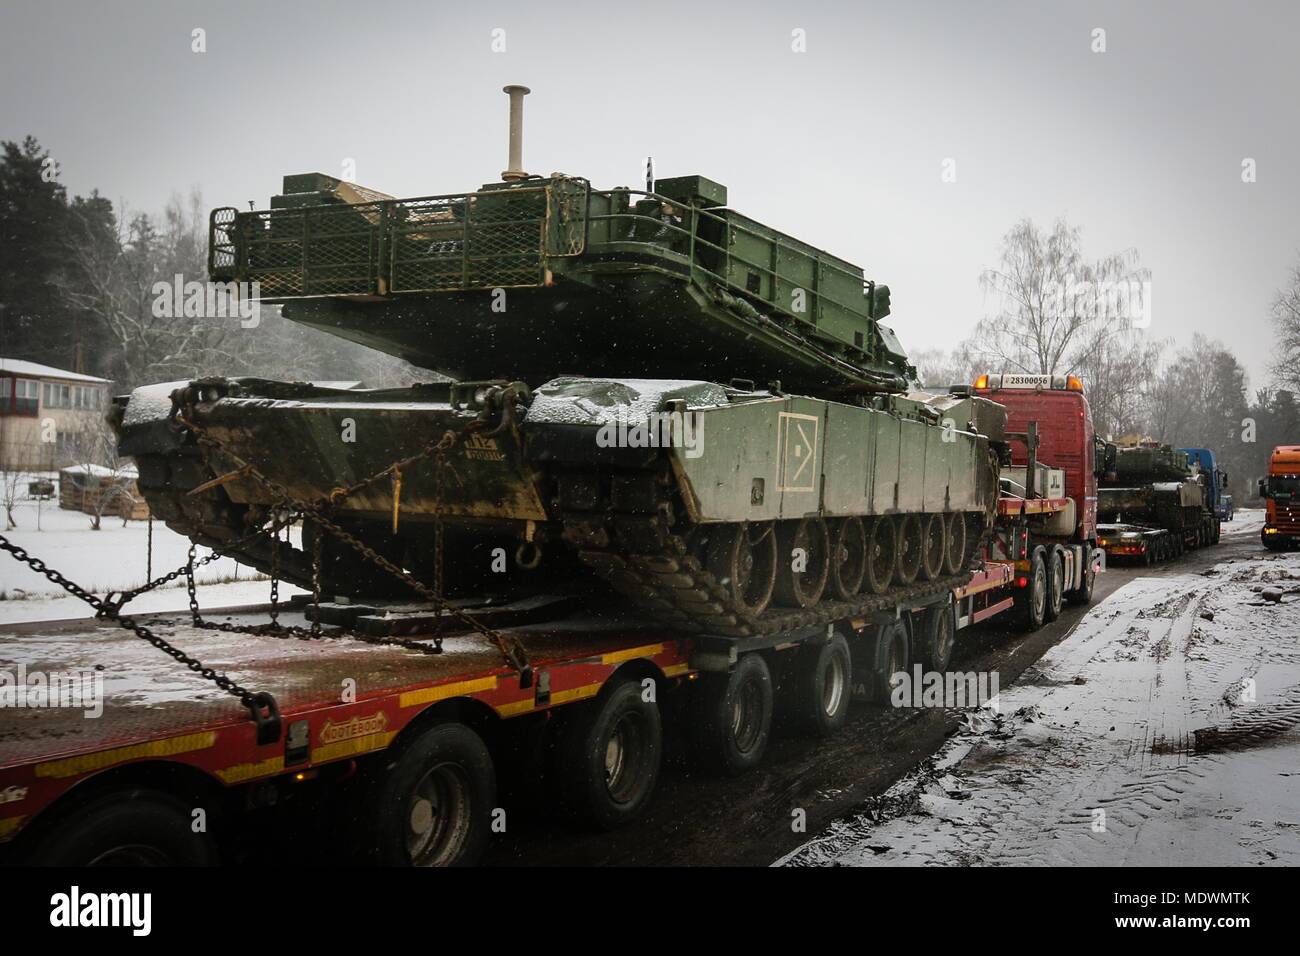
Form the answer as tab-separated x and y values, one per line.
937	368
106	477
1052	304
1286	316
117	278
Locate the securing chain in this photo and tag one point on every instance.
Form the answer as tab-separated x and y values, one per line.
511	650
105	609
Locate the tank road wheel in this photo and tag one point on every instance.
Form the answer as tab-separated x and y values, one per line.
1055	583
882	554
934	546
1031	600
909	549
733	717
825	686
744	561
848	558
803	561
954	558
610	756
432	800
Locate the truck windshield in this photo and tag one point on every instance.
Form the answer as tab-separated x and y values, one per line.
1288	485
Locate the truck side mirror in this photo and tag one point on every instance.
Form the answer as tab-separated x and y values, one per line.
1262	486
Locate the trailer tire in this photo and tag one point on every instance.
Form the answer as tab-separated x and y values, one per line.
1055	583
1031	600
825	685
126	826
446	763
1083	593
937	638
610	755
892	652
734	717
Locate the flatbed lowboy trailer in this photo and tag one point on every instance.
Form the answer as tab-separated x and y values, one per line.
413	743
157	766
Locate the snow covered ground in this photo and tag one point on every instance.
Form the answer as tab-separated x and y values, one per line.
1164	730
110	559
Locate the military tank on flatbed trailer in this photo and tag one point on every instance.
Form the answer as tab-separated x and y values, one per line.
707	413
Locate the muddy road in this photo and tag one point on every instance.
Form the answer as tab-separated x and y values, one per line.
702	820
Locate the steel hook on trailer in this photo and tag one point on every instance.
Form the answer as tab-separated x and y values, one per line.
528	555
266	717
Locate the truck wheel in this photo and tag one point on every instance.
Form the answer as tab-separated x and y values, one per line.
126	827
1031	600
432	800
802	561
892	652
610	756
934	545
825	686
1083	593
734	717
848	558
882	554
1055	583
954	559
937	638
909	549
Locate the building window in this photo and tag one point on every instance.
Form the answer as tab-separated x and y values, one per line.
6	388
26	396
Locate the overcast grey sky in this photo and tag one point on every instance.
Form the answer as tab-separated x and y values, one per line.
841	145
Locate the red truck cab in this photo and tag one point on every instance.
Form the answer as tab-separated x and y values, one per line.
1066	439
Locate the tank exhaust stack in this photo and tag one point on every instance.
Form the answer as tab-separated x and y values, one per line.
515	170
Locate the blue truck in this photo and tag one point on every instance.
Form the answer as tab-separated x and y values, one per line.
1217	498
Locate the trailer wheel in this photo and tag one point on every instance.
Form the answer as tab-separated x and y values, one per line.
937	638
825	686
1031	600
1055	583
892	652
734	716
610	756
126	827
432	800
934	546
954	559
882	554
909	549
1083	593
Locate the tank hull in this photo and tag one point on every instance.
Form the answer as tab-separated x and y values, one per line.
603	471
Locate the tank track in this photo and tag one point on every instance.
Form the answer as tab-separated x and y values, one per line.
210	519
639	556
642	559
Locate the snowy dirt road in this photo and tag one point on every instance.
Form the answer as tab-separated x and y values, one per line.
1165	730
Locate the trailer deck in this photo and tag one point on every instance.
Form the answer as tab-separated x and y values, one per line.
154	708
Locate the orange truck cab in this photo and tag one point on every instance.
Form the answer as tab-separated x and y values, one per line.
1281	494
